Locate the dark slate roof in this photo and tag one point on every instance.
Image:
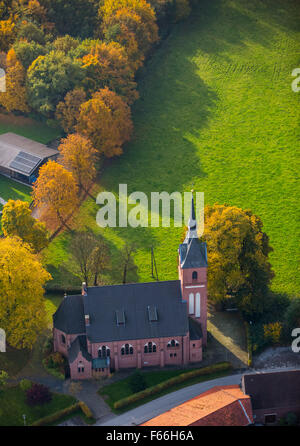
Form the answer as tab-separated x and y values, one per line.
193	254
274	389
195	330
69	317
79	345
101	304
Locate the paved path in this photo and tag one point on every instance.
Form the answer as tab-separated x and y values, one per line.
154	408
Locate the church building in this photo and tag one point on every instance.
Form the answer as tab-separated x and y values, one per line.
140	324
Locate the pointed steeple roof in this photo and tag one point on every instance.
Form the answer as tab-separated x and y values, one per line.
192	252
192	224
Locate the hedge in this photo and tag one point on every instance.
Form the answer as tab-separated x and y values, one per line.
53	371
222	366
249	344
50	419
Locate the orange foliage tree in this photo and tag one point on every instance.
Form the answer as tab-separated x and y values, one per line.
137	15
15	96
67	111
55	193
106	121
79	156
107	65
7	33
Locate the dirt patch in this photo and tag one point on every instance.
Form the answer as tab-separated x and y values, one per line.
21	121
276	357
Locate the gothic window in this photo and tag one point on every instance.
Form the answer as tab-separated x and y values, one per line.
150	347
103	352
197	310
194	275
127	349
63	339
191	303
173	343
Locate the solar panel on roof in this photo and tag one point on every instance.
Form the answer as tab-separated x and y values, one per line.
25	162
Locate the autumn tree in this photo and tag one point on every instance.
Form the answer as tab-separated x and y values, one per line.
67	111
79	157
22	280
106	121
15	96
18	221
238	251
49	78
137	15
107	65
55	193
7	34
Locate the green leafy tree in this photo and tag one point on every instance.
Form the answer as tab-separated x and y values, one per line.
31	32
238	253
49	78
18	221
292	315
27	52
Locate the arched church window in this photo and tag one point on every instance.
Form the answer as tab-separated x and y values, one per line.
150	347
194	275
127	349
173	343
103	352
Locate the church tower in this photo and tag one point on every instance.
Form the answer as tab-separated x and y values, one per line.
192	269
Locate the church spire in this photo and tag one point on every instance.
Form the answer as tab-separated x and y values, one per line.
192	224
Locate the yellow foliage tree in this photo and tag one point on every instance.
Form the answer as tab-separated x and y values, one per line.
7	33
22	307
18	221
106	121
238	252
55	194
79	156
137	15
15	96
107	65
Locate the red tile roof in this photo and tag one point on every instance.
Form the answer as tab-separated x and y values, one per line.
220	406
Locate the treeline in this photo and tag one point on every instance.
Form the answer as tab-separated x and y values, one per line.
73	63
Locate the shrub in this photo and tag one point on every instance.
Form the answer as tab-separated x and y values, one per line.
3	379
38	394
223	366
273	331
137	382
25	384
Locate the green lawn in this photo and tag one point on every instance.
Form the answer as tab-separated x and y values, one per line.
36	130
13	406
217	113
121	389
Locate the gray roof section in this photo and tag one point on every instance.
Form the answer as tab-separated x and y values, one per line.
273	389
69	317
101	304
79	345
193	254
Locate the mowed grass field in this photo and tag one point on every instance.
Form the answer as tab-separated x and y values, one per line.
217	113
